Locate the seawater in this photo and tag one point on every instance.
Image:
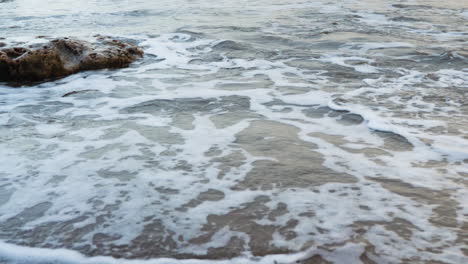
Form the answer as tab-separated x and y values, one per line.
251	132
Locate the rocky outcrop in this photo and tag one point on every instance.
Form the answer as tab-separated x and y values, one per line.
62	57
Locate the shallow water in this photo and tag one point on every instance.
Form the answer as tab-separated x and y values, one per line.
261	131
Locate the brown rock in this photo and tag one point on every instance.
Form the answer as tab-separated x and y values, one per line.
62	57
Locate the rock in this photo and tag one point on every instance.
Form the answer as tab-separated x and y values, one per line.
78	92
62	57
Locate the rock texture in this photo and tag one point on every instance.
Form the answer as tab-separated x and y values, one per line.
62	57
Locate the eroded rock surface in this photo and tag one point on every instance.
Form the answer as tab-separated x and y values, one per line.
62	57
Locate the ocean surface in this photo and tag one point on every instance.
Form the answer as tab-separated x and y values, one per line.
260	131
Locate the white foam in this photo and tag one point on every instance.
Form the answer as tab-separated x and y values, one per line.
25	255
342	61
